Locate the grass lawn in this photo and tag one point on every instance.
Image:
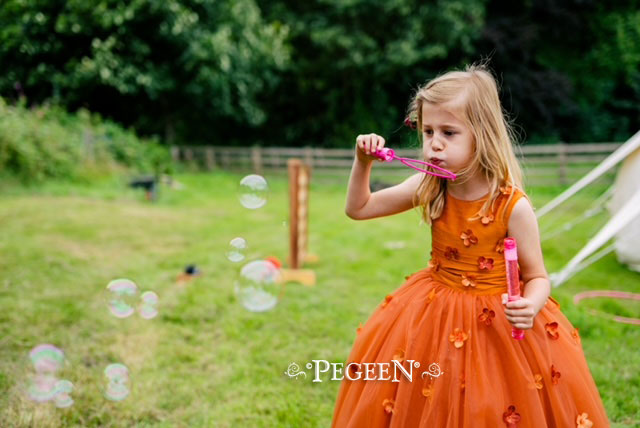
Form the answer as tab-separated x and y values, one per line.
205	360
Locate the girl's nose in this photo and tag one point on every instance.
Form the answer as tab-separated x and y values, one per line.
436	144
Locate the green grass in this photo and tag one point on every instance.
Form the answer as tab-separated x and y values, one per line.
205	360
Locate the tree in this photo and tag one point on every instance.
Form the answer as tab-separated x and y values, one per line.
192	68
356	63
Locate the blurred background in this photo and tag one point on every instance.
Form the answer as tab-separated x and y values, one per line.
289	73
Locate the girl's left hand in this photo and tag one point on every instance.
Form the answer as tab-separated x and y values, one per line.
520	313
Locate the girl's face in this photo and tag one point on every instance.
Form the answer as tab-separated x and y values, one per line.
445	137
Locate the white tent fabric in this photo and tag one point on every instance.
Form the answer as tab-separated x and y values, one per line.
624	208
627	184
628	212
612	160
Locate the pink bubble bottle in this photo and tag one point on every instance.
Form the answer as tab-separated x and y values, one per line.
513	280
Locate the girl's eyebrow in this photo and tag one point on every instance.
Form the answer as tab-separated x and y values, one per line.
444	125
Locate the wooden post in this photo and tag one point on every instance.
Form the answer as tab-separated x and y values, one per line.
256	159
308	156
562	163
225	159
188	157
175	153
299	176
293	166
210	158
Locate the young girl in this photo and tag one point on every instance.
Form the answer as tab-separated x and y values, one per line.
452	317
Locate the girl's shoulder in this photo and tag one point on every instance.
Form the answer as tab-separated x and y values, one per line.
512	197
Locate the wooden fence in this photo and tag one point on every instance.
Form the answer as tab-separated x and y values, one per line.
542	164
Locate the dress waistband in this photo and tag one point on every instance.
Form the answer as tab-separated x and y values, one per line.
477	283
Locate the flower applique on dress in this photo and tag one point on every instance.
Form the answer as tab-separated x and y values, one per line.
485	263
353	368
537	381
468	238
398	356
458	337
468	280
510	417
451	253
486	219
387	404
552	330
387	299
427	391
576	336
555	375
486	316
582	421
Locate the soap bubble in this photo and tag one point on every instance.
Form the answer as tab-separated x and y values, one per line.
46	358
237	246
147	308
42	387
43	384
63	389
253	191
257	285
121	297
117	380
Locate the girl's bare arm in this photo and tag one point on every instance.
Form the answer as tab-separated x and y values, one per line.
363	205
523	225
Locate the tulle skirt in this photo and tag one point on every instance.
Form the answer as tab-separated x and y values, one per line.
466	369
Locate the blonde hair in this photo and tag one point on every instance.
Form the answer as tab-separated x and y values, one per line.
493	137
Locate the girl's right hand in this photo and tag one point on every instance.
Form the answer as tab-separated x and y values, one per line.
366	145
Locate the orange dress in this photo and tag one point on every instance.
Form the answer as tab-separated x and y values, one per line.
447	321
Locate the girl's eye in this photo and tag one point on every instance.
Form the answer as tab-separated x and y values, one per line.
447	133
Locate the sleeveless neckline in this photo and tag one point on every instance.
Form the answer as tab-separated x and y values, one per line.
482	198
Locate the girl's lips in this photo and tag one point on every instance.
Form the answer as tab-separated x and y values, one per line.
436	161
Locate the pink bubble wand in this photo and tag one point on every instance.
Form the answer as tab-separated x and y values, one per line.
513	281
386	154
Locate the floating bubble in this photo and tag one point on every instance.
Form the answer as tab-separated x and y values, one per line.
63	389
42	387
253	191
117	380
46	358
121	297
148	305
257	285
237	246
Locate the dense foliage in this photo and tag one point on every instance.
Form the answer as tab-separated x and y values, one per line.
47	142
318	72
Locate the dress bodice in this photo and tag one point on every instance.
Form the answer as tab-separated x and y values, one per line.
469	254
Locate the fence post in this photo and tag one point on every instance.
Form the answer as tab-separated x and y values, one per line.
308	156
210	158
226	159
175	153
256	159
562	163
